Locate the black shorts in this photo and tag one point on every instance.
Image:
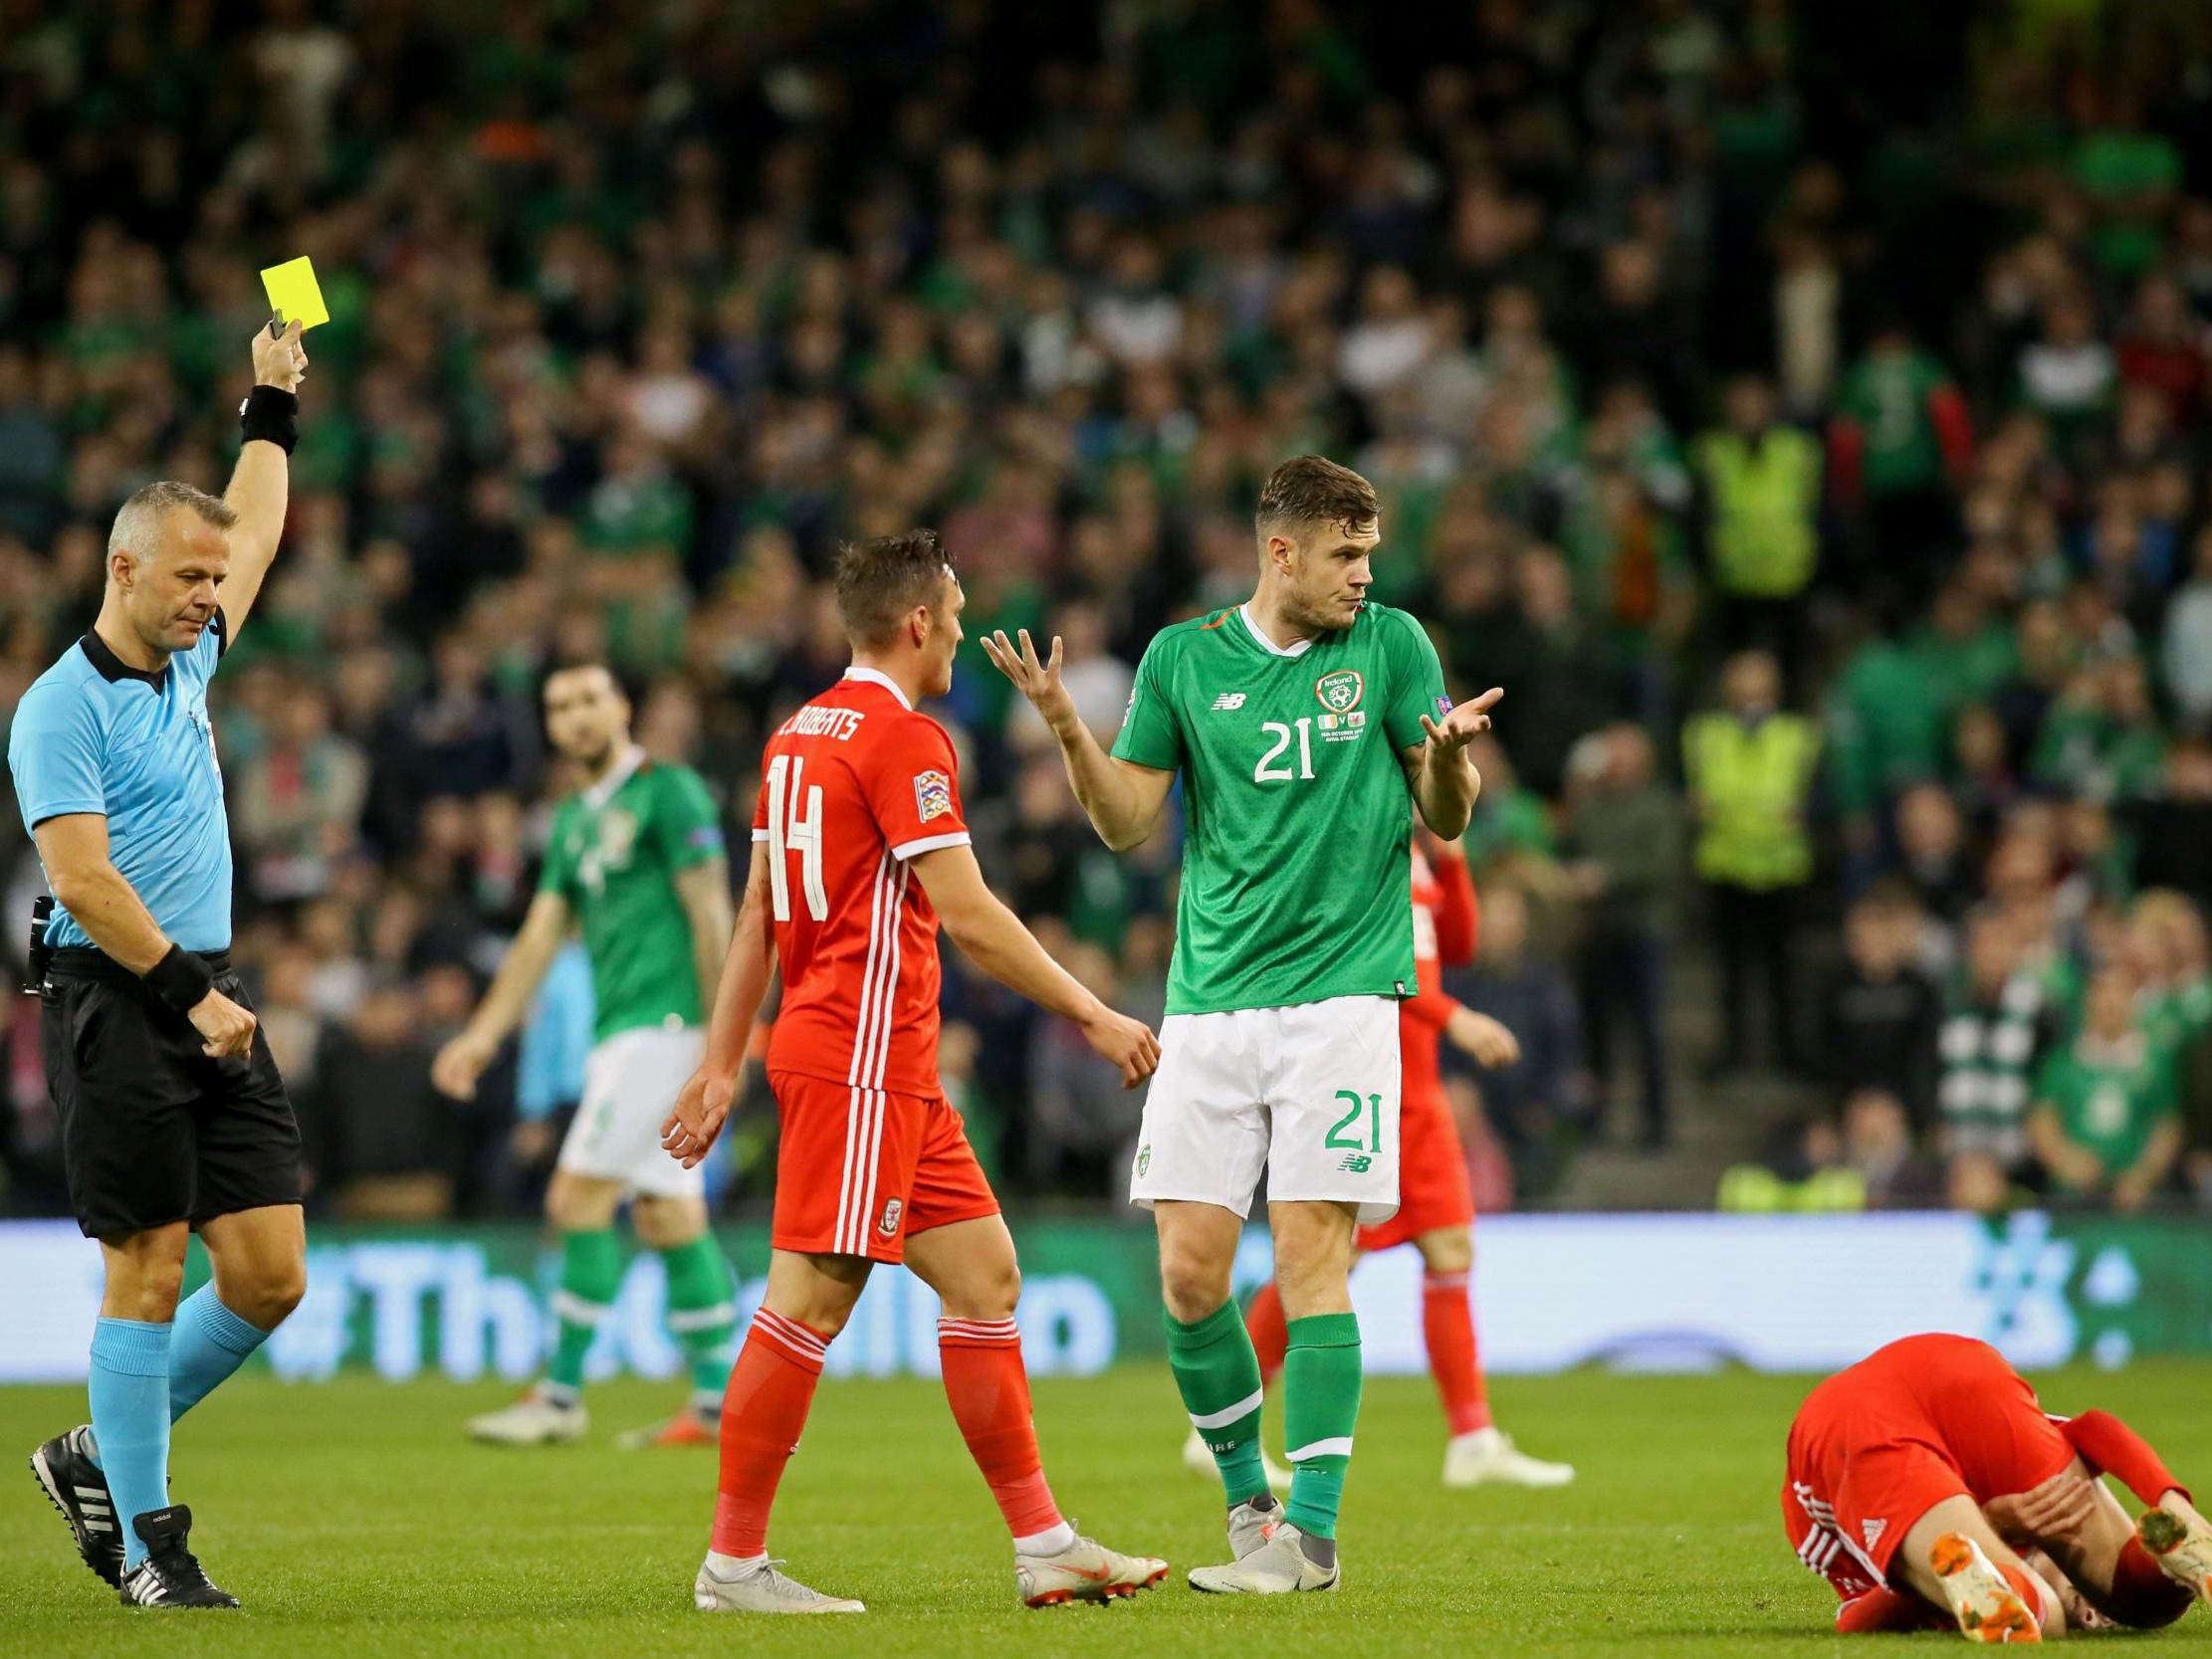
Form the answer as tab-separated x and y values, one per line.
152	1129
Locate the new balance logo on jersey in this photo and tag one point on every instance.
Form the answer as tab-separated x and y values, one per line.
1228	699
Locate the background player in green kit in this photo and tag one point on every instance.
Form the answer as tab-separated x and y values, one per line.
637	860
1301	722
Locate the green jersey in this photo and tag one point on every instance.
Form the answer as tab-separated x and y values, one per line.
615	851
2111	1097
1297	874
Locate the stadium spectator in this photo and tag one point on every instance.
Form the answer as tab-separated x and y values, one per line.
2106	1123
612	367
1881	1014
1749	768
1623	842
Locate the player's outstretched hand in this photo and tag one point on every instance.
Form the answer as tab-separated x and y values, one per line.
460	1063
1040	682
227	1029
1128	1043
1464	724
693	1124
1490	1043
280	360
2051	1513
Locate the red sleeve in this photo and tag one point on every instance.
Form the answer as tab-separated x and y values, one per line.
1847	445
1954	429
2110	1446
912	783
1457	921
1430	1004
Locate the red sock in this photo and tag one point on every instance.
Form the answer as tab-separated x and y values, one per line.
2144	1597
1447	1325
2028	1587
2109	1445
989	1393
762	1415
1883	1610
1270	1331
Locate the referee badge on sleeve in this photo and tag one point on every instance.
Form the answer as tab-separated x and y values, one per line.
932	796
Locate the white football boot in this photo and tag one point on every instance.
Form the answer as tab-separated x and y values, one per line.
1489	1457
2181	1544
1982	1599
534	1420
756	1587
1276	1567
1085	1570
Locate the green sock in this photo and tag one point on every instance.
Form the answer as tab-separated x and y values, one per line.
1321	1403
1219	1373
590	1274
702	1316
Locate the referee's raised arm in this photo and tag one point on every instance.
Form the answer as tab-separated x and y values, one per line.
260	485
173	1116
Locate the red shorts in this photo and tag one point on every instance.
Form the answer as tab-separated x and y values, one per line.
1432	1188
1877	1446
860	1170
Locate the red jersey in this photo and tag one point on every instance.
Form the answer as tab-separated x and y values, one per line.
1443	934
853	786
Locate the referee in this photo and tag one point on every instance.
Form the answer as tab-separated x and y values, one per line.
173	1117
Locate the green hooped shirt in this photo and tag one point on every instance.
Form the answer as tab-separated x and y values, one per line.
615	851
1296	873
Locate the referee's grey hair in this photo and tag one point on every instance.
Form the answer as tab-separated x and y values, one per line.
139	520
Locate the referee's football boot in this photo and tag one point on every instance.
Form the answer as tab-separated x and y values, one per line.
74	1486
170	1576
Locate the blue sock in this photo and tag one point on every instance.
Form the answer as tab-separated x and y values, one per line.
211	1343
129	1391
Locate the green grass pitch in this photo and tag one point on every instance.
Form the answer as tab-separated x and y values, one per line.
353	1519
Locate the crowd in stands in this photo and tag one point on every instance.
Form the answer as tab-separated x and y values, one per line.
1801	411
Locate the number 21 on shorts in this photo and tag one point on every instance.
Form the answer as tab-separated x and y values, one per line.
1372	1106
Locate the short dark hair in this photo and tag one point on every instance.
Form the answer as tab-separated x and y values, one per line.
883	578
1313	490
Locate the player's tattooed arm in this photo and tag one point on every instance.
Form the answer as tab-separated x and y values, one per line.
463	1060
1440	772
703	1105
1122	799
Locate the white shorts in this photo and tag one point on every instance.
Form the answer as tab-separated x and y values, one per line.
629	1083
1308	1091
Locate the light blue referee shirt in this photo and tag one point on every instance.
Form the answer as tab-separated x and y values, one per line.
95	734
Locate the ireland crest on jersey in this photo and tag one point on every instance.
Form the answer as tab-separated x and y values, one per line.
1340	693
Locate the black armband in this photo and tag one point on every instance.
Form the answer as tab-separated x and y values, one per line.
180	979
273	413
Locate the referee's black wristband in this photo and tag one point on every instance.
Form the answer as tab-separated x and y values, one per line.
273	413
180	979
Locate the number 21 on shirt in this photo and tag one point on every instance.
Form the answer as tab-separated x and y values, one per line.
794	830
1267	772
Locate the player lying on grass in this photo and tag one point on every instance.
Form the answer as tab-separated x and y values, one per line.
1435	1209
1929	1487
636	861
859	851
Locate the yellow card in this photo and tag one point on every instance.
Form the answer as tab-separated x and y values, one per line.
293	294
